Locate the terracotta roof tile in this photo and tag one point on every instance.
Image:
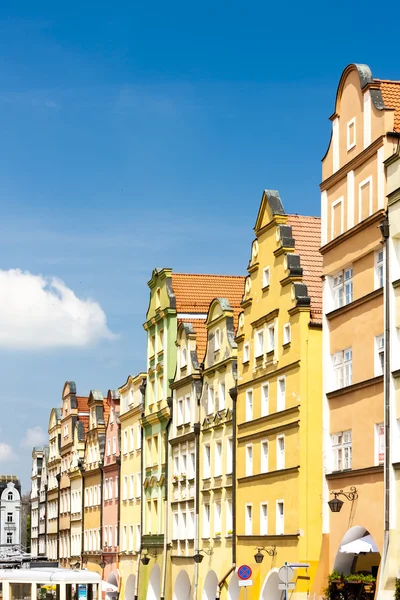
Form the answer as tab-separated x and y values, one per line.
194	293
307	235
391	97
82	402
85	421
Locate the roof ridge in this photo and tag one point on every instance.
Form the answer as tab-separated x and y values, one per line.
303	216
208	275
395	81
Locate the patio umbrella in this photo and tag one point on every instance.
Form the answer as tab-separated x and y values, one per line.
364	544
109	588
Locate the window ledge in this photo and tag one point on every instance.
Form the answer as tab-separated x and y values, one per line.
354	472
343	309
265	288
354	386
286	345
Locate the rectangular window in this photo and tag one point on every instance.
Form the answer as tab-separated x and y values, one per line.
343	288
249	405
116	487
379	269
341	450
249	460
271	338
342	368
125	442
131	439
192	465
206	520
281	399
110	489
217	518
280	518
246	352
190	533
138	485
138	540
176	465
108	447
379	444
263	518
249	519
265	399
217	340
180	411
9	517
210	400
259	343
218	459
207	461
114	445
221	396
106	489
280	452
125	497
124	536
187	410
228	515
351	134
138	436
286	333
131	540
229	455
131	486
379	355
365	199
266	277
264	457
337	218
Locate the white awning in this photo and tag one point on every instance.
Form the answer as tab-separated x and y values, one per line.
54	575
109	588
364	544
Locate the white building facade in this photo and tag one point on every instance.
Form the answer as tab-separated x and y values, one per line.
10	511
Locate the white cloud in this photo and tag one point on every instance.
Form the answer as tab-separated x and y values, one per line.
6	452
38	312
34	436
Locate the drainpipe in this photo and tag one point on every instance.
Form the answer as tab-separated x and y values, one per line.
384	227
142	389
233	392
198	387
164	572
82	468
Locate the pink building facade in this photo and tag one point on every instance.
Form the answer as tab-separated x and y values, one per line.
111	469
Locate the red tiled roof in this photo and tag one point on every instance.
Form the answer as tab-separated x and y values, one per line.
85	421
82	403
307	235
391	96
194	293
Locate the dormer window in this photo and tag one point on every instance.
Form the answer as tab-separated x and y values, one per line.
217	340
65	408
10	496
184	358
93	416
351	134
158	298
112	415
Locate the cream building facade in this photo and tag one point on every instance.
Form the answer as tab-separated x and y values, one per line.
53	473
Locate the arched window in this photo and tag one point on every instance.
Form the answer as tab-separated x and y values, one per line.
10	496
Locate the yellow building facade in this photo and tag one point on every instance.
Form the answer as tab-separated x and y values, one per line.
279	411
130	493
53	490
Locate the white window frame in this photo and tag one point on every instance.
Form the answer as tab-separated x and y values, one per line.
362	184
183	357
188	416
217	340
280	452
342	447
263	518
206	461
264	457
180	415
379	352
248	511
265	399
379	269
281	397
266	274
218	458
287	334
342	290
349	124
221	395
249	460
229	456
246	352
379	444
259	343
271	337
125	441
206	520
217	517
342	367
210	400
249	404
280	519
333	206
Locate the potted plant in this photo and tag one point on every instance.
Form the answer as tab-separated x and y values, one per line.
183	476
230	532
175	478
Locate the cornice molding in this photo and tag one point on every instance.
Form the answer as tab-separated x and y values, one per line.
266	376
269	474
354	387
343	309
377	216
265	432
354	473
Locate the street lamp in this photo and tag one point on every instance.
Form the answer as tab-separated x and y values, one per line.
258	557
198	557
146	557
336	505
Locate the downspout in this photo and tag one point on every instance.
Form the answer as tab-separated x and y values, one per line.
142	388
81	468
118	461
384	227
101	512
164	571
198	386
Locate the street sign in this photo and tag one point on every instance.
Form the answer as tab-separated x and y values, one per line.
287	586
245	582
285	574
299	565
244	572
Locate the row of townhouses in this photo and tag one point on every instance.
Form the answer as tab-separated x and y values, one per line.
265	428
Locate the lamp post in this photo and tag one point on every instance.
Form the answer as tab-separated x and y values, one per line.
336	504
258	557
146	557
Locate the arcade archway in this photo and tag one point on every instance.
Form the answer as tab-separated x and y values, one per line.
270	589
130	587
210	586
357	553
182	587
154	587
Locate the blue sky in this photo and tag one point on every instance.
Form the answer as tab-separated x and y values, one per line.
135	135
